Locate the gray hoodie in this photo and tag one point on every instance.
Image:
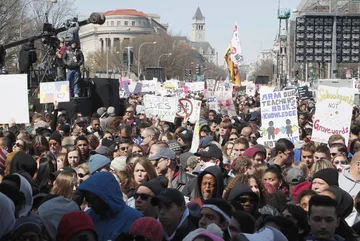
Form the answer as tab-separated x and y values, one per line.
348	184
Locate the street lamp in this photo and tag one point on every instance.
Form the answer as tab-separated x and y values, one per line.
22	12
139	54
168	54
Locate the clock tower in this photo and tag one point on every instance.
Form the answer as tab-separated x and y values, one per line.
198	27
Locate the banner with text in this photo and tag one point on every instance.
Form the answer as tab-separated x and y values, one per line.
162	107
332	113
195	86
148	86
279	117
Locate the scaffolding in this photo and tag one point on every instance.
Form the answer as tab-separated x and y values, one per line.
329	6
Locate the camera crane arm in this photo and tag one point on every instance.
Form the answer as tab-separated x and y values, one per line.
95	18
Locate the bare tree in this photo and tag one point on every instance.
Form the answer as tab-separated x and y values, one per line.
97	62
263	67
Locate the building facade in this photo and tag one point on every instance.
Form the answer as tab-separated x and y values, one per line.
120	27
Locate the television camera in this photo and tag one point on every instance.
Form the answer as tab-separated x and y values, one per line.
46	70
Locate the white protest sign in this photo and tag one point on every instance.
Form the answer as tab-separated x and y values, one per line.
171	84
189	108
332	113
148	86
225	102
250	89
223	86
179	92
266	89
14	86
162	107
195	86
196	138
279	117
212	103
210	84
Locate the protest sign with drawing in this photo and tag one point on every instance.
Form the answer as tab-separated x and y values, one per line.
195	86
189	108
54	91
279	117
225	102
250	89
161	107
333	113
210	84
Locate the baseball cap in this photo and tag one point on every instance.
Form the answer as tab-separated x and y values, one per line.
80	120
175	146
97	162
163	153
169	196
264	234
294	176
211	151
102	150
119	163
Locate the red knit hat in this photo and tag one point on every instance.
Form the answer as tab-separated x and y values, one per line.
251	152
298	189
72	223
147	227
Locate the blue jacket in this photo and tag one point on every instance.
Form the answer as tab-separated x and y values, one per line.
119	218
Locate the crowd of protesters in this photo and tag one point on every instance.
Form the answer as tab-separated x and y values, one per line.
130	177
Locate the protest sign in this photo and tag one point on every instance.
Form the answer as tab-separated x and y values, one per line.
171	84
266	89
212	103
132	88
250	89
54	91
148	86
224	101
123	81
304	93
196	138
333	113
210	84
189	108
241	91
196	86
279	117
14	86
162	107
178	92
223	86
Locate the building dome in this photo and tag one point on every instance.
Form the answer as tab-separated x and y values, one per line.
130	12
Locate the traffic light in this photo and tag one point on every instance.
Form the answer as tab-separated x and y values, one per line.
185	72
131	57
297	73
198	71
189	72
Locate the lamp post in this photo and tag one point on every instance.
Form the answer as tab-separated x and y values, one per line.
107	55
168	54
139	54
22	12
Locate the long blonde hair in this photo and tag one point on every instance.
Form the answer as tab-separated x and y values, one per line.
64	185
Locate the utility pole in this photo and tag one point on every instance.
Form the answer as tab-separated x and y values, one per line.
129	60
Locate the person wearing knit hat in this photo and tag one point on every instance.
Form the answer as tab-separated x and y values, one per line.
23	162
75	224
55	143
175	146
147	227
218	208
67	141
27	228
144	194
98	162
255	154
325	178
64	130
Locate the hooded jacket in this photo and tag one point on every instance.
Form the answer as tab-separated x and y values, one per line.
7	217
119	218
51	212
25	188
348	184
240	189
215	171
23	162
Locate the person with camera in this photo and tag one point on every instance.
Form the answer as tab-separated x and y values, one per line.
73	58
61	72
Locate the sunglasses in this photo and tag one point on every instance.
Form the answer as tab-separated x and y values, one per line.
232	139
343	162
53	143
142	113
142	196
124	148
333	154
81	175
18	144
245	200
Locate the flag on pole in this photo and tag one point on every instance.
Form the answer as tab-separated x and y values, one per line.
234	57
